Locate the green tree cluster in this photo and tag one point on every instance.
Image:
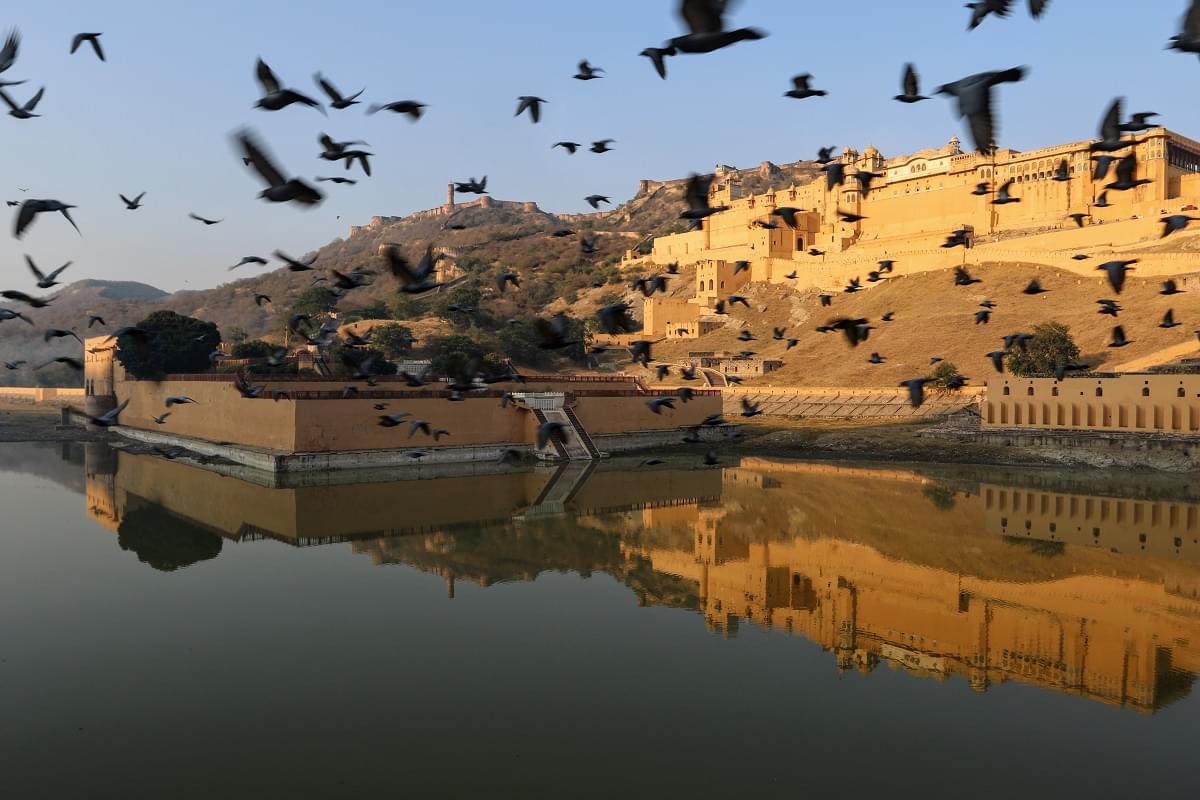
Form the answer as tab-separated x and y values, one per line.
1050	346
171	343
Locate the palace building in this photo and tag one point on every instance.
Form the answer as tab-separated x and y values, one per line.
913	203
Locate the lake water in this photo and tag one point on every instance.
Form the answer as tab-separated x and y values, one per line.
752	630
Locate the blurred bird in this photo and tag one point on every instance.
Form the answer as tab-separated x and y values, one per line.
601	146
1004	196
974	101
587	72
336	99
916	390
275	96
1116	271
45	281
134	204
31	208
1118	337
706	28
1034	287
1169	287
594	200
801	88
570	147
23	111
205	220
531	104
1175	222
91	38
1168	320
910	91
279	189
658	57
411	108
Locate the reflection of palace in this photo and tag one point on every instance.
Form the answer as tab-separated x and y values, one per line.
875	565
1080	620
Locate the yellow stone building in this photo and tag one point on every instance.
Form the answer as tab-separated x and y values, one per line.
914	202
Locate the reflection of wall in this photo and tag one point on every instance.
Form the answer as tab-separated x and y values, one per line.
1153	527
1123	638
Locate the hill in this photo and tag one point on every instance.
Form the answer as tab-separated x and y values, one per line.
933	317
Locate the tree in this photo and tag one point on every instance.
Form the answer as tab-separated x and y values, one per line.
460	297
449	356
394	340
943	374
315	301
255	348
1050	346
172	343
374	311
371	360
405	308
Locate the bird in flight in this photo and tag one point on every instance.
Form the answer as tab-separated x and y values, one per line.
45	281
531	104
91	38
205	220
910	91
31	208
336	100
279	189
134	204
275	96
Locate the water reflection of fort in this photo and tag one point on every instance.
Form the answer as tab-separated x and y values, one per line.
878	566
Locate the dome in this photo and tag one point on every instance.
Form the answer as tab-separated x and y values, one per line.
872	152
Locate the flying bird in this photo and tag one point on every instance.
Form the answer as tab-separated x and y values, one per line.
801	88
91	38
336	99
570	147
1126	168
94	320
279	189
916	390
1118	337
337	179
1169	287
59	333
601	146
8	55
910	91
973	96
1004	196
45	281
31	208
587	72
1116	271
1168	320
250	260
706	28
205	220
412	108
24	111
134	204
275	96
594	200
658	57
531	104
1175	222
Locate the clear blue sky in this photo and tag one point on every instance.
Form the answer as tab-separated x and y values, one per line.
180	78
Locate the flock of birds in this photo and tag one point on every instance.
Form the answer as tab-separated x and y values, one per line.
973	98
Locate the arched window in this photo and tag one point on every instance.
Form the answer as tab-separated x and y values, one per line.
1099	392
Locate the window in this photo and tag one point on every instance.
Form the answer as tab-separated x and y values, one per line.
1006	391
1145	391
1030	391
1180	392
1099	392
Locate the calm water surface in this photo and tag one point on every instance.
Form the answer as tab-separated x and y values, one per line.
759	630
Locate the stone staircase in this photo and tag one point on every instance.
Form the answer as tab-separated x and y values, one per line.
581	433
575	444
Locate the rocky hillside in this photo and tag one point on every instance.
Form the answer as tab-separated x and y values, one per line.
556	275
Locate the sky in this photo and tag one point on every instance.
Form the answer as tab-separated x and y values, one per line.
179	79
